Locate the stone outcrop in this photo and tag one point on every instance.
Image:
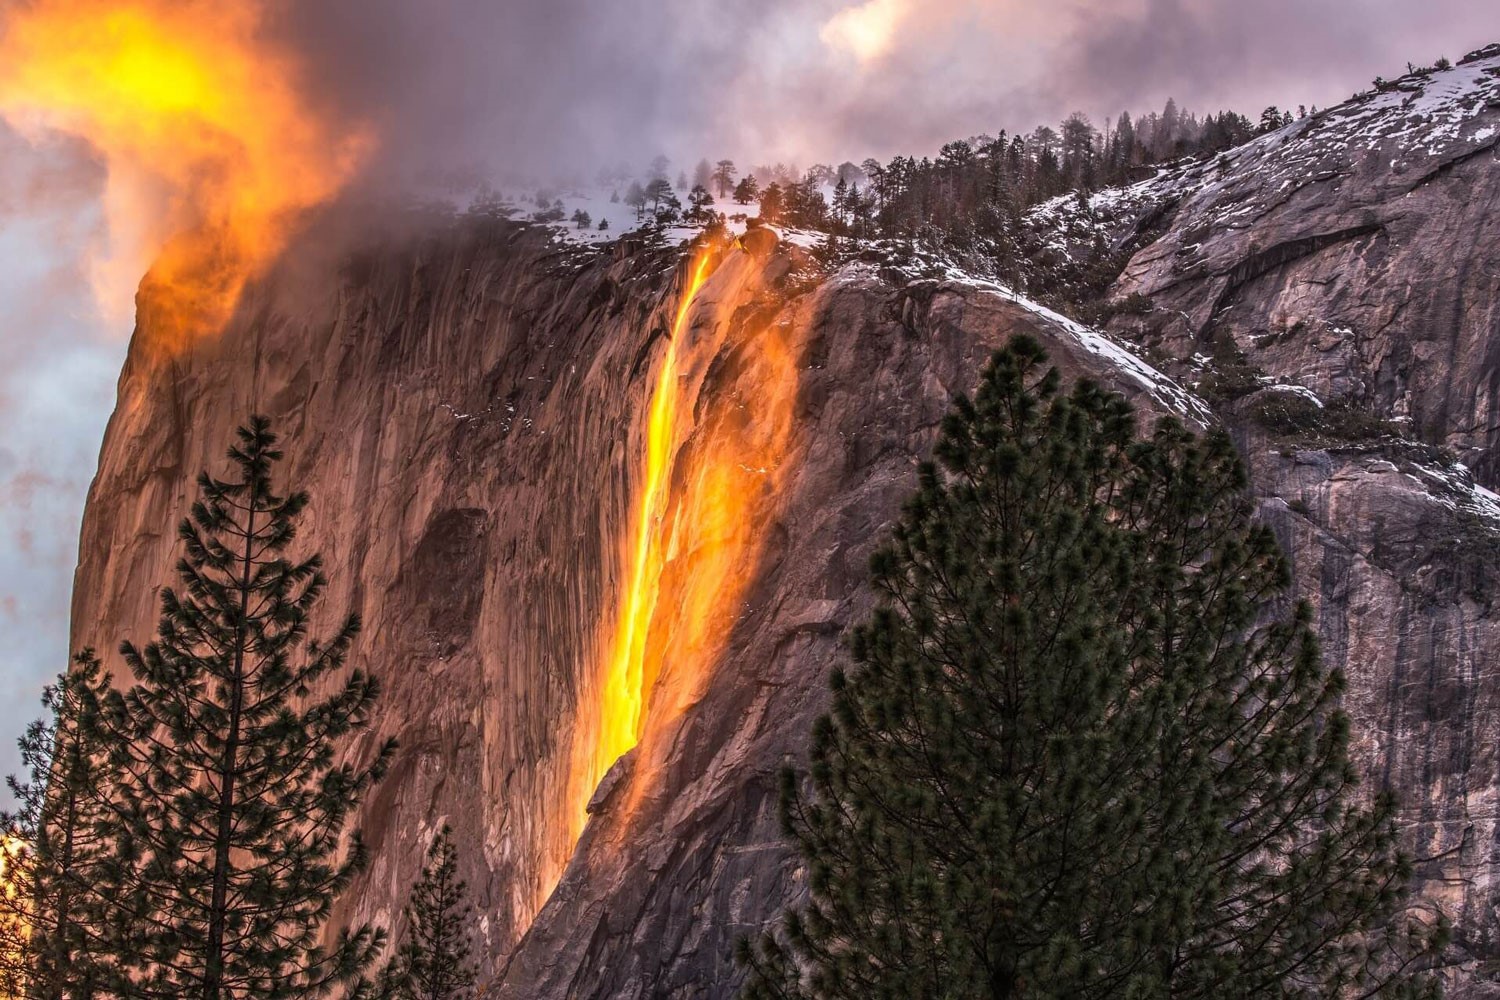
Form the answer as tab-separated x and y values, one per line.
1334	287
1355	253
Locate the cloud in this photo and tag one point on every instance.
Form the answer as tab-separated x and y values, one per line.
867	31
1283	52
460	87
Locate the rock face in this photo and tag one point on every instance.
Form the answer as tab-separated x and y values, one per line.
1346	271
469	409
1356	253
466	411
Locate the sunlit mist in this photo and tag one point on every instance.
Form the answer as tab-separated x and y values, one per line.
867	31
211	149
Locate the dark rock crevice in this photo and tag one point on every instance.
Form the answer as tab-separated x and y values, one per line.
1265	261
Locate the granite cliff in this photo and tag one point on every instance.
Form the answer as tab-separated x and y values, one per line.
470	408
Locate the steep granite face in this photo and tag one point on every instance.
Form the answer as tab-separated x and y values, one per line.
430	398
1334	287
1355	253
474	412
469	412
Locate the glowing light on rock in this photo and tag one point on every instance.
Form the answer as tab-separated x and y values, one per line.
715	451
212	151
14	930
622	691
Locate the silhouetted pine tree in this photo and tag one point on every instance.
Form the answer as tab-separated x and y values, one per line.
235	801
1086	751
723	177
747	190
56	892
434	963
700	205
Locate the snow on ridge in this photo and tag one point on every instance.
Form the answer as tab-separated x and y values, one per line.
1292	388
1415	120
1159	386
605	203
1457	490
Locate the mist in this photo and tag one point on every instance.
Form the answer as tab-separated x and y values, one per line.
459	87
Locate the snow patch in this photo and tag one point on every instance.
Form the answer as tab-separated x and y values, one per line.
1160	387
1456	489
1290	387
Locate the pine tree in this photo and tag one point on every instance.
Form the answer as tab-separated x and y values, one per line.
747	190
723	177
635	197
659	193
434	964
703	175
700	205
235	800
1085	751
771	202
841	207
56	890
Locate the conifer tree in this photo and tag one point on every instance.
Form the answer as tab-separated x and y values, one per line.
772	202
635	197
700	205
56	891
703	174
657	191
723	177
434	963
1086	749
235	785
747	190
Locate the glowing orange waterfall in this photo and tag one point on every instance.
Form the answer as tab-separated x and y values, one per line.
713	458
623	689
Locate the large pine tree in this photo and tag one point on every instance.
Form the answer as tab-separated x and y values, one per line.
1089	748
235	784
56	892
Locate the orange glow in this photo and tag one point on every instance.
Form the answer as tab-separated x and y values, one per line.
713	460
14	929
623	688
212	152
12	848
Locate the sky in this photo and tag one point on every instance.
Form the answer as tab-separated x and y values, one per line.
462	89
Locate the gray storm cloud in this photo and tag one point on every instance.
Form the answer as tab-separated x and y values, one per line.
573	84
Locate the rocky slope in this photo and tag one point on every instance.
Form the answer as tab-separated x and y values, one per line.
469	411
1334	288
